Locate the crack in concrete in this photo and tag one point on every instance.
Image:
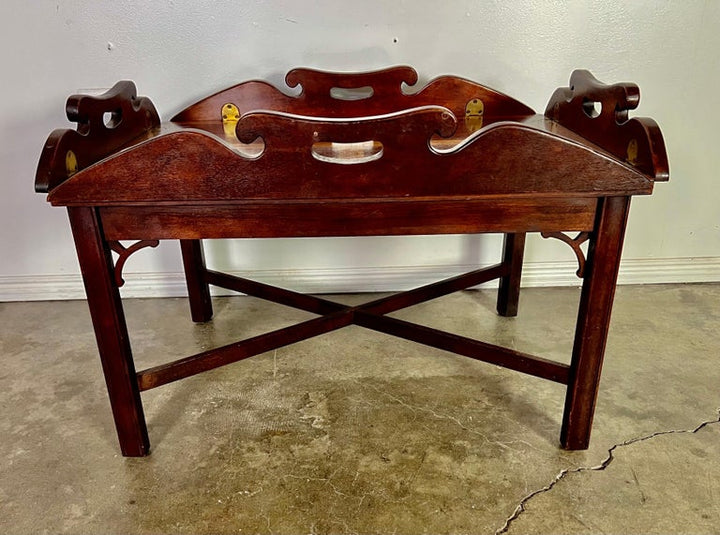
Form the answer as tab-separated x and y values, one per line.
520	509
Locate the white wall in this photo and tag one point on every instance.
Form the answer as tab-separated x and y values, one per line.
178	51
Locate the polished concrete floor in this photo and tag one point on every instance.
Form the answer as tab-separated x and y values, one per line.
357	432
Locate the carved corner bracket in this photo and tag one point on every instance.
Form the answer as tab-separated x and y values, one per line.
574	244
124	253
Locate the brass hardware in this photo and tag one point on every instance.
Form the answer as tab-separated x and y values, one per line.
71	164
632	152
474	110
230	118
474	107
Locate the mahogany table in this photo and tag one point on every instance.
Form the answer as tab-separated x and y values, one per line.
352	155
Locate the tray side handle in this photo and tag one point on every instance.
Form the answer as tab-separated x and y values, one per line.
356	94
599	113
105	123
323	89
406	133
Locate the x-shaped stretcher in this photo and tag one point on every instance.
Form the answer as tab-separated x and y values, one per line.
371	315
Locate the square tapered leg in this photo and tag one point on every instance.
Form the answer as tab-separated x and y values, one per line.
591	332
509	289
108	320
198	289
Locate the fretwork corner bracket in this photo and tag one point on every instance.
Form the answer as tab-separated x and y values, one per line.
574	244
124	253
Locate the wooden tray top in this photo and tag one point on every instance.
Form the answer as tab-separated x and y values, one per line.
352	136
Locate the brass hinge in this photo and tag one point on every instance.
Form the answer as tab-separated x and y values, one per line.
230	118
632	152
71	163
474	110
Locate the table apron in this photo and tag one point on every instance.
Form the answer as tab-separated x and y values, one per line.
347	218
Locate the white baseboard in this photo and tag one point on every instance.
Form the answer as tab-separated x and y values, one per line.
352	280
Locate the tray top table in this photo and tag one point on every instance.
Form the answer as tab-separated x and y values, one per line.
352	154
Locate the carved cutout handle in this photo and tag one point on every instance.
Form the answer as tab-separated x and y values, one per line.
287	133
330	94
319	87
347	153
599	113
105	123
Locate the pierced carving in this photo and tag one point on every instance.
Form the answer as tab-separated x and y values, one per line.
575	244
600	113
343	95
124	253
409	128
105	123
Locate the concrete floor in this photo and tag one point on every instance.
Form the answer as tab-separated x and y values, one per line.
357	432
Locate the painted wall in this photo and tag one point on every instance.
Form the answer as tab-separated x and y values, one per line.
179	50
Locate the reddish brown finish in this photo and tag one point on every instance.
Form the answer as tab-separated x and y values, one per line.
461	345
503	159
509	290
209	360
573	108
574	244
349	218
110	330
309	303
131	116
124	253
198	179
386	305
388	96
601	270
195	276
370	315
383	305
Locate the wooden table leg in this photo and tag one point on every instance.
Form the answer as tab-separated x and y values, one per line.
111	333
601	271
198	289
509	290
